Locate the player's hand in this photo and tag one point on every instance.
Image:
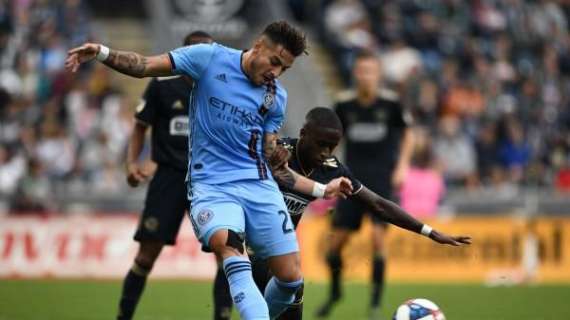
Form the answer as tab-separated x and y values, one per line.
443	238
135	174
398	176
79	55
339	187
279	158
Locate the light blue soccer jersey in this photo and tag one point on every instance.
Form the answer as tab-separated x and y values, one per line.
227	125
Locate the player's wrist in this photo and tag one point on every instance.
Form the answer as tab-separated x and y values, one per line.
426	230
319	190
103	53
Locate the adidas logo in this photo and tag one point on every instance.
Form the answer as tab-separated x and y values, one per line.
221	77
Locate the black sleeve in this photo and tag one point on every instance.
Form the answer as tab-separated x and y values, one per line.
345	172
400	117
147	110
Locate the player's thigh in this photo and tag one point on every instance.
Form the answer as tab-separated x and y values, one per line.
270	231
214	210
164	208
348	215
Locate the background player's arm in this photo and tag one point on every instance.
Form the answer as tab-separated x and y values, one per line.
404	158
289	179
126	62
394	214
135	172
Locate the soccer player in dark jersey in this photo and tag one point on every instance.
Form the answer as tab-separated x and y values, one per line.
164	107
378	146
312	156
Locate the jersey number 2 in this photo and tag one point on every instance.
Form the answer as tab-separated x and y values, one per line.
285	220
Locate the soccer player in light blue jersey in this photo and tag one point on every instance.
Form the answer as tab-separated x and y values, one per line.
236	109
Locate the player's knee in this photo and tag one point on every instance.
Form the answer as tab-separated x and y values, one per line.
147	255
291	272
334	261
224	246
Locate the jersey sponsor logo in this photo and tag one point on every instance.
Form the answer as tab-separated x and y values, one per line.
235	114
179	126
295	205
221	77
205	216
367	132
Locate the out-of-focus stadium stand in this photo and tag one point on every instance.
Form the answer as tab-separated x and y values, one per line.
487	82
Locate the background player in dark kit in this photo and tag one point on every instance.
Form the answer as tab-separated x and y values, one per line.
164	107
378	147
312	156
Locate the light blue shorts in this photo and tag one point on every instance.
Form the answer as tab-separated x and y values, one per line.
254	208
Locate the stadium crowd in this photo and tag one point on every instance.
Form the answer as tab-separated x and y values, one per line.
487	82
58	132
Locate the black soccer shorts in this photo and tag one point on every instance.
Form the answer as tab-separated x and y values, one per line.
349	212
165	205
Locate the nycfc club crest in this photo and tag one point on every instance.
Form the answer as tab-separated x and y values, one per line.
268	100
205	216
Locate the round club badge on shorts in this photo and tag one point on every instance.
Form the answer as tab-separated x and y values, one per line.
151	224
205	216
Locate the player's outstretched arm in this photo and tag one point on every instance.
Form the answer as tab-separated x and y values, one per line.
129	63
277	158
394	214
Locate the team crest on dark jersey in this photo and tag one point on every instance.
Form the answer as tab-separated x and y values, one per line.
205	216
331	162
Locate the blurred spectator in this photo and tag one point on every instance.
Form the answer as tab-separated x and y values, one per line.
34	192
423	187
481	62
12	168
455	152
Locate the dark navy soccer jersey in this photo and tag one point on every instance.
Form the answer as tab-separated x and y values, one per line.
372	134
165	109
330	169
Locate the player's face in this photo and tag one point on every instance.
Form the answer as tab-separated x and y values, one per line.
269	61
367	73
318	144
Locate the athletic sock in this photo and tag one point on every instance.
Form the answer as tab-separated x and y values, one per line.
378	268
295	310
334	262
133	287
245	295
222	297
280	295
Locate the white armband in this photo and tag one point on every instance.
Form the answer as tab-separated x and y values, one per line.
319	190
426	230
103	53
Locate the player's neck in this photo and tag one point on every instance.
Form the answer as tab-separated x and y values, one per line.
366	98
245	63
306	170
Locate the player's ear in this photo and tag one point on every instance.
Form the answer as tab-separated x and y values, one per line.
302	132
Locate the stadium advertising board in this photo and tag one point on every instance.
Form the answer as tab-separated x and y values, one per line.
98	246
497	254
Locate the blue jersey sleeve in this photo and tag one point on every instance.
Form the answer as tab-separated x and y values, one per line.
276	116
191	60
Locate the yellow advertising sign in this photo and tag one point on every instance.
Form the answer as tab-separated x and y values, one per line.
495	255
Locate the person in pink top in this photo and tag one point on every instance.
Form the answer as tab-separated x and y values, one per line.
423	187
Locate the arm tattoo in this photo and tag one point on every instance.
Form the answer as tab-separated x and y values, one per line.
129	63
285	177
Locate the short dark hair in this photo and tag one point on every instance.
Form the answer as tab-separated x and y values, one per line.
323	117
196	37
292	39
366	54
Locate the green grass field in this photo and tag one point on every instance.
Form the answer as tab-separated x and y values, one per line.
170	300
